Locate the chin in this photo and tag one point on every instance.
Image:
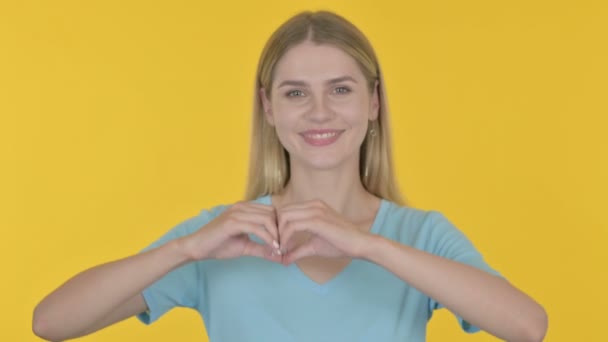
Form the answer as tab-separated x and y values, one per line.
321	162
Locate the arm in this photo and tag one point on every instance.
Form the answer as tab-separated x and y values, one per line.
484	300
111	292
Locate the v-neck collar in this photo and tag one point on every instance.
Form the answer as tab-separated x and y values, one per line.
325	287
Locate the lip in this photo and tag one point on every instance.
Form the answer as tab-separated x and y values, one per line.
321	142
321	131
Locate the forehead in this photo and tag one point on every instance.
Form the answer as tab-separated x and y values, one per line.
310	61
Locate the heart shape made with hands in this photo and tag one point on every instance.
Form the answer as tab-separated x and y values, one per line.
312	228
297	248
297	240
280	248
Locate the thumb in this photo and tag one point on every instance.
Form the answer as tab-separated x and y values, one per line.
261	251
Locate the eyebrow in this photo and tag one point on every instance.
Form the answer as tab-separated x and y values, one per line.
302	83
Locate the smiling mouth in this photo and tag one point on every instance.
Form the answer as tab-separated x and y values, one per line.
317	138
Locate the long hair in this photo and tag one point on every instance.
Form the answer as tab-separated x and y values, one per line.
269	169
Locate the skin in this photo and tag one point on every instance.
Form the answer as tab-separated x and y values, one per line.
325	194
321	87
321	220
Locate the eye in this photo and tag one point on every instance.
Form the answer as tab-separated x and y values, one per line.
294	93
342	90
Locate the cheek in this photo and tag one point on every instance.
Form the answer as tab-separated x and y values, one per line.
354	107
354	113
291	108
357	118
284	128
288	114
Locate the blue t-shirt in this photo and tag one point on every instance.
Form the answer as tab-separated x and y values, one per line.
252	299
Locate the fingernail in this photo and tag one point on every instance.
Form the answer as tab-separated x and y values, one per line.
275	244
279	252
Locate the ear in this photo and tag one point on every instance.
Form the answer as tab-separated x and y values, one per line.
266	105
375	102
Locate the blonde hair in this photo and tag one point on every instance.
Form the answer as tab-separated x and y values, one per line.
269	161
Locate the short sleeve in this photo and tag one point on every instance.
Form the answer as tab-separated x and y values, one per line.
449	242
181	286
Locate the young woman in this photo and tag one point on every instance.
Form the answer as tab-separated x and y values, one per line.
323	247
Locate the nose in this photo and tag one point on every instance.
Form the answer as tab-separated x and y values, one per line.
320	111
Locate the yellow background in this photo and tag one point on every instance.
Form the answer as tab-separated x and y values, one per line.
120	119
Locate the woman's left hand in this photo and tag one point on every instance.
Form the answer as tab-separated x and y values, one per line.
331	235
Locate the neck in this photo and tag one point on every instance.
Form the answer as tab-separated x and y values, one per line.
341	189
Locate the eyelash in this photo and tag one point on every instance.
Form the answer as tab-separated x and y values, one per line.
346	91
291	93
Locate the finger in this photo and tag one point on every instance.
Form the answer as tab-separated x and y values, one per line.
294	214
269	216
259	218
304	250
264	207
253	208
261	251
257	230
245	204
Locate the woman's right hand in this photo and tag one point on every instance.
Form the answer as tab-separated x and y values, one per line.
111	292
226	236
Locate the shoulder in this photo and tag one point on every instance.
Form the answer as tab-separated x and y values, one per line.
413	226
432	232
399	217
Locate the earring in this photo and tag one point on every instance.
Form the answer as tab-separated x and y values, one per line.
372	131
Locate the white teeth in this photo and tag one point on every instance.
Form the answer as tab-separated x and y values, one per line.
321	136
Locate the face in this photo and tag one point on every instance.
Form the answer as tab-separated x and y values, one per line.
320	105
